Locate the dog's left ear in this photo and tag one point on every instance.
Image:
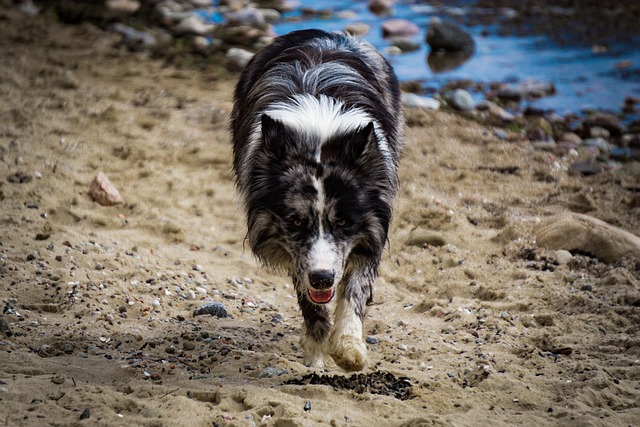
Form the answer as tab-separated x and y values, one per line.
360	141
275	136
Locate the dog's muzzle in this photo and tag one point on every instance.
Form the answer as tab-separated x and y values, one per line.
321	281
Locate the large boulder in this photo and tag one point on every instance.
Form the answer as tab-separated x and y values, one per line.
448	37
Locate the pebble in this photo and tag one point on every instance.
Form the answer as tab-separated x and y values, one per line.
425	238
381	7
102	191
191	295
563	257
201	291
461	100
357	29
193	24
155	303
237	58
411	100
213	308
405	44
270	372
399	27
371	340
600	143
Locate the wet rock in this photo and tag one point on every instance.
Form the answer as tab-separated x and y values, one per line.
399	27
405	44
534	89
577	232
599	132
510	93
411	100
101	190
357	29
604	120
461	99
237	58
381	7
448	37
213	308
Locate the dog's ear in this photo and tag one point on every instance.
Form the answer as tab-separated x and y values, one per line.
360	139
275	135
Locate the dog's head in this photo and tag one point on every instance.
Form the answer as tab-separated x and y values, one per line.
319	207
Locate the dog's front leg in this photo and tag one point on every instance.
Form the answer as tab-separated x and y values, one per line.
346	346
317	325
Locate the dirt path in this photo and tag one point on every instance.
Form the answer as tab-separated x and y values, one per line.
98	301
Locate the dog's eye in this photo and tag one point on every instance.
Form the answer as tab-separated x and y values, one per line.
299	223
341	223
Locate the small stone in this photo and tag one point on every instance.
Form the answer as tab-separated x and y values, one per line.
381	7
155	303
357	29
399	27
563	257
270	372
371	340
102	191
405	44
587	288
586	167
58	380
307	406
411	100
191	295
123	7
193	24
213	308
188	345
236	59
99	267
85	414
461	100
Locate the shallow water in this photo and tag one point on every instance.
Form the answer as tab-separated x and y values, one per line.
584	80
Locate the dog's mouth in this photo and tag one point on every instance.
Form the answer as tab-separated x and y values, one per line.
321	296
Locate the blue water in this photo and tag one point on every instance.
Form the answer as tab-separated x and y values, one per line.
584	80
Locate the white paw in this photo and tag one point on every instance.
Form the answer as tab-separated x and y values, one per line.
349	352
314	355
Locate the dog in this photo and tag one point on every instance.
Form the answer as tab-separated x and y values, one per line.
317	132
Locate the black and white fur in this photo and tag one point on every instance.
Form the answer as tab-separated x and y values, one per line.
317	134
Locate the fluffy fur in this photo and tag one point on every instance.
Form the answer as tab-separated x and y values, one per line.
317	134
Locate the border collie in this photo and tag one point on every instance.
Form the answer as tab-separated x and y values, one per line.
317	133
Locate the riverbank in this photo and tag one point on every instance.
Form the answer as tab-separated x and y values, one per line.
474	318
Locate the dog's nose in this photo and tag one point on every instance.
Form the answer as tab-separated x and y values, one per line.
321	279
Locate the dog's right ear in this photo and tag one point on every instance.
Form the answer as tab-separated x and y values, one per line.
275	136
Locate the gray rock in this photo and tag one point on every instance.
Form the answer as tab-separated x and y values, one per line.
600	143
573	231
357	29
237	58
411	100
405	44
399	27
461	100
213	308
448	37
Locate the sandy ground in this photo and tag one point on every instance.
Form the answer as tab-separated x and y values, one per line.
98	320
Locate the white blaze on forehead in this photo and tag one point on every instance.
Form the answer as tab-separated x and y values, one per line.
323	116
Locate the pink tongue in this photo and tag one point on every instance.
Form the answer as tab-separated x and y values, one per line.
321	297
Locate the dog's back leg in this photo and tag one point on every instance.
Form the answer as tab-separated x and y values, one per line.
345	344
317	324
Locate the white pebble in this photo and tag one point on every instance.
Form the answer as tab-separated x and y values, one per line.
191	295
155	303
201	291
